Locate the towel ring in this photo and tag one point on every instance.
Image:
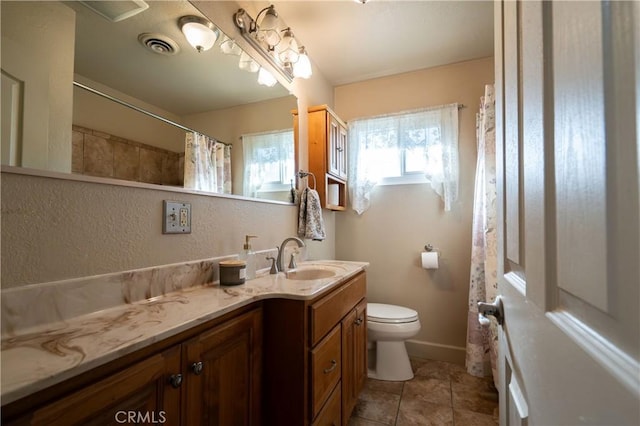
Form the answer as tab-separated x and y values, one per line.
303	174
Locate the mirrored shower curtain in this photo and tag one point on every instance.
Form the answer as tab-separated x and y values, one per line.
207	164
482	342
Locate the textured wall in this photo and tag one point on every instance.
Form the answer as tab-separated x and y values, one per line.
54	229
404	218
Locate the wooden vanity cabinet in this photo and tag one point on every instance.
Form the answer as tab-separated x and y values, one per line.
327	148
315	352
168	387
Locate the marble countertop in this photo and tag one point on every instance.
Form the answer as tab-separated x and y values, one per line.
43	355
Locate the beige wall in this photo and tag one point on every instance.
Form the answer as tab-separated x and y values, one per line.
404	218
41	57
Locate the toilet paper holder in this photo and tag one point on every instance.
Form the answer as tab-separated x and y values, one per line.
430	248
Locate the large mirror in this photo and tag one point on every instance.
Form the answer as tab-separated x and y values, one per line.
142	61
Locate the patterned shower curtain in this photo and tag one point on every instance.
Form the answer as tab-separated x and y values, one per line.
482	342
207	164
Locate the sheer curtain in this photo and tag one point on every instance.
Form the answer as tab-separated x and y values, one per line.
207	164
268	159
482	344
388	146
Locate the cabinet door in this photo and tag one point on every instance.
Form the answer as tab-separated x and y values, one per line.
349	395
360	347
342	152
354	357
333	138
223	373
139	394
336	147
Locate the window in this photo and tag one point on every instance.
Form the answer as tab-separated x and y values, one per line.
410	147
268	162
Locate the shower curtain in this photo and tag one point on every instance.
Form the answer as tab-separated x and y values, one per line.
207	164
482	342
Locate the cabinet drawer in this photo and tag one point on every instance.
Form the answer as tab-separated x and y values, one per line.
329	310
326	369
331	414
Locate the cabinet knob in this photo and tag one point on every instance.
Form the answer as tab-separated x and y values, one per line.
196	367
334	364
175	380
359	321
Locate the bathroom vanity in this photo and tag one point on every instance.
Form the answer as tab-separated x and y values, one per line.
276	350
315	356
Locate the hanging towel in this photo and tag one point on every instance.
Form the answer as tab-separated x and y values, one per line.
310	223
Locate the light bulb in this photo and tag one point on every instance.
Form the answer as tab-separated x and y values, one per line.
302	68
288	47
268	27
265	78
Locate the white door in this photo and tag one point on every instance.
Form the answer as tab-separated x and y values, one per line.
567	128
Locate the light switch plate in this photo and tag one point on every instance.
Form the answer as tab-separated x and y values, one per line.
177	217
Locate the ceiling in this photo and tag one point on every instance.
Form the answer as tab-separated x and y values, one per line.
350	42
347	42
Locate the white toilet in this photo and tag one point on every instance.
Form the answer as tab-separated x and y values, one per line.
388	326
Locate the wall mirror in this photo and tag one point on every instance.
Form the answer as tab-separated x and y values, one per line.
142	60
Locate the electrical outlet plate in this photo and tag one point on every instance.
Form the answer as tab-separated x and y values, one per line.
177	217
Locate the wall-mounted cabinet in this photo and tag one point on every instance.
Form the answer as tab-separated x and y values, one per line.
327	149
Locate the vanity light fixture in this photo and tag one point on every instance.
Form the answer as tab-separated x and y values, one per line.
277	45
199	32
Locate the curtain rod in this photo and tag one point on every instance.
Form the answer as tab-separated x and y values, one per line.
143	111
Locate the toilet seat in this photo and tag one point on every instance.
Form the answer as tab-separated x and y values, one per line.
390	314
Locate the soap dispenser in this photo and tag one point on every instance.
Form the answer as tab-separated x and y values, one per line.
249	256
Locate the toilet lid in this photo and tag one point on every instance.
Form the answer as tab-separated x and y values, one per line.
379	312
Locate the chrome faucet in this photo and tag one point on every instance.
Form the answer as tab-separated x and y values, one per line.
280	262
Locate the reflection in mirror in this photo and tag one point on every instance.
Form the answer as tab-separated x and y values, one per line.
203	91
269	165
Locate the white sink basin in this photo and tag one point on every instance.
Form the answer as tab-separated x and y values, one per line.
309	274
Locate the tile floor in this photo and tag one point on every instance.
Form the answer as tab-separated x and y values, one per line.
440	394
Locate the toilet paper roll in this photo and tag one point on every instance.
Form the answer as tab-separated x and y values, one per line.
430	259
333	194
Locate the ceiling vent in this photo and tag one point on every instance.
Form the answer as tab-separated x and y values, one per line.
157	43
117	10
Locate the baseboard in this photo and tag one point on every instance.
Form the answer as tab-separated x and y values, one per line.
435	351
